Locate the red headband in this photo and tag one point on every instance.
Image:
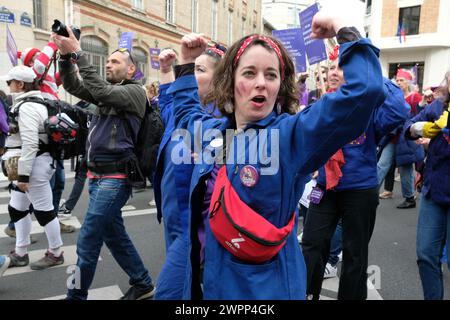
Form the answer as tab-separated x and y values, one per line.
215	50
267	40
401	73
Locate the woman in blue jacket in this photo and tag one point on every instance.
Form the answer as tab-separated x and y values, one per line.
172	182
254	88
433	227
348	189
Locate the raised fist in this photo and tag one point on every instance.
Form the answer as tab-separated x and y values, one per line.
192	46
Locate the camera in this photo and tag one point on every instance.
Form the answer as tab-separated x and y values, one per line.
60	28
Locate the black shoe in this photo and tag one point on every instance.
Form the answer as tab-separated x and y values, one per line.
407	204
135	293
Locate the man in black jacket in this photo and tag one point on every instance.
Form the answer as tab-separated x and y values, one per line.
109	154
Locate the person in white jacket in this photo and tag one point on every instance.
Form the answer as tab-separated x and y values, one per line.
27	140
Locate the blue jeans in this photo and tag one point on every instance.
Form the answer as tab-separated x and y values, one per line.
104	223
336	245
433	231
57	184
385	162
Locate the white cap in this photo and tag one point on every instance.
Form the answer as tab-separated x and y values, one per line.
20	73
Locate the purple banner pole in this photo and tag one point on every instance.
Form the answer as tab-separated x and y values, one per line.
11	47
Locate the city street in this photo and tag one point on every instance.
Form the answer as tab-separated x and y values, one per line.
392	251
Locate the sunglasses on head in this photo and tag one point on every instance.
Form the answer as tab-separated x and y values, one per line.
125	50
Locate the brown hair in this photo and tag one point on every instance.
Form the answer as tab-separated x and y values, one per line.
30	86
224	75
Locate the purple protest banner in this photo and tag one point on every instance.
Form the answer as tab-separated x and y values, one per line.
315	48
126	40
138	75
154	60
292	40
11	47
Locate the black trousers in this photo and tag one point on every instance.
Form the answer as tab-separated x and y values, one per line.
357	208
389	179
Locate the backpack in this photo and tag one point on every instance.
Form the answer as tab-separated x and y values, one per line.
147	144
66	128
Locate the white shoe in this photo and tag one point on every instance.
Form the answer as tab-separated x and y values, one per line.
299	238
330	271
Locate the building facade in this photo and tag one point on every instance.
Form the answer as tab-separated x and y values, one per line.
283	14
411	34
154	23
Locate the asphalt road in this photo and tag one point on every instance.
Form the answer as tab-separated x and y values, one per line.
392	249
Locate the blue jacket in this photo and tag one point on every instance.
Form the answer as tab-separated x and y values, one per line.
307	140
436	183
360	168
407	151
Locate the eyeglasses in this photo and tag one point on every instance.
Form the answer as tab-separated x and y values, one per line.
125	50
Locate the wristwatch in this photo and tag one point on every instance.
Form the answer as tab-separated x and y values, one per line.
70	56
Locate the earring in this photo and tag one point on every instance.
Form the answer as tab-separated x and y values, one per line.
228	107
278	108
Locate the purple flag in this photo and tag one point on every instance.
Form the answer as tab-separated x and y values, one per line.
126	40
315	48
11	47
138	75
292	40
154	60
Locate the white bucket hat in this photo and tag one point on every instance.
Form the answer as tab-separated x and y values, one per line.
20	73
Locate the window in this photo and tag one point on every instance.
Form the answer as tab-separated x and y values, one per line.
39	18
194	26
409	19
368	6
138	4
170	11
97	51
214	20
141	59
230	28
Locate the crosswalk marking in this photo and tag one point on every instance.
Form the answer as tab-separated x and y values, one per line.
128	208
4	208
105	293
70	258
332	284
139	212
37	228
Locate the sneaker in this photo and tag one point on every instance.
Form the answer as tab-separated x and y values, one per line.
18	261
4	264
135	293
407	204
386	195
330	271
10	232
49	260
65	228
64	213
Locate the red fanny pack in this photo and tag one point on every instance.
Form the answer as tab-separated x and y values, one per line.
240	230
